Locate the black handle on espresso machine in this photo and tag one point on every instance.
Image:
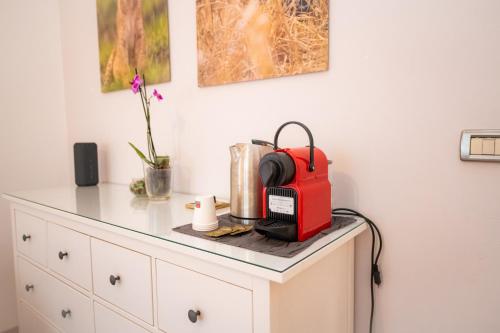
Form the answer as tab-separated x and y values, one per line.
311	141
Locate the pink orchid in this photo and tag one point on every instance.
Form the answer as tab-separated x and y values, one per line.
136	83
152	159
158	96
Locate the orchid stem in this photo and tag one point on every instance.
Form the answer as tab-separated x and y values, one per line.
145	101
150	135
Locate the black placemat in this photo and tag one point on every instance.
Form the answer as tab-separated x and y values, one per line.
259	243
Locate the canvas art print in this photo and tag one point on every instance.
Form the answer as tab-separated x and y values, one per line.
241	40
132	34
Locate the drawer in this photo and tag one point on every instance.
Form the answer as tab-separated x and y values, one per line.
69	254
64	299
66	308
132	289
31	322
222	307
31	237
107	321
33	285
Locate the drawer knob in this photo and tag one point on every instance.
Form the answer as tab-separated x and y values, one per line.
62	255
65	313
26	237
193	315
113	279
29	287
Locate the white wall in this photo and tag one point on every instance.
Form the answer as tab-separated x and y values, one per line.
406	77
33	135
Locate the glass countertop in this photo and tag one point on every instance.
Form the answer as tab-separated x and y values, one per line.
115	205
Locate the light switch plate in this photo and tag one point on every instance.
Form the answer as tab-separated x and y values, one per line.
489	139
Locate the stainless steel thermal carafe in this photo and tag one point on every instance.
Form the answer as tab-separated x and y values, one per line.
246	186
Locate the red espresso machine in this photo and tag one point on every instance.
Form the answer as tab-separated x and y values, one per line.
297	192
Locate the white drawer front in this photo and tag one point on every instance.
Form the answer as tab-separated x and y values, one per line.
78	317
107	321
69	254
223	307
31	322
31	237
133	291
33	285
51	297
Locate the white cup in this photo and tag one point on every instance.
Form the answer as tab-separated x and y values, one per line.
204	217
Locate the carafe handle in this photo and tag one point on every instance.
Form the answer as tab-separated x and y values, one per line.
263	143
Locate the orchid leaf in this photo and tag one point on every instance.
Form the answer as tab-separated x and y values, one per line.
140	154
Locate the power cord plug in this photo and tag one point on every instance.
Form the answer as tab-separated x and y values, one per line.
376	275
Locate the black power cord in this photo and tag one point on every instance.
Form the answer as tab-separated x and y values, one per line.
375	277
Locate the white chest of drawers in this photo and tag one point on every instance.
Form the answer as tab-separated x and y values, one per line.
96	260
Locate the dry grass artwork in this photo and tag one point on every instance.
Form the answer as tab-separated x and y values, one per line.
242	40
132	34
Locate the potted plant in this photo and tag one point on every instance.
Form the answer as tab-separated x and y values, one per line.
157	170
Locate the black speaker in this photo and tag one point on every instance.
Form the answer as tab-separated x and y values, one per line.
86	168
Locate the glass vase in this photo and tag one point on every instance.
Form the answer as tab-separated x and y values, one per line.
158	182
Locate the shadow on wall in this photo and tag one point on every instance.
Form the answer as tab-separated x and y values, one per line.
345	191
